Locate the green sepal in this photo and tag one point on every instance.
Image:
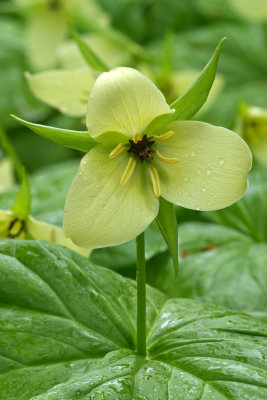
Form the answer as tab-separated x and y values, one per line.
167	223
89	55
22	202
187	105
78	140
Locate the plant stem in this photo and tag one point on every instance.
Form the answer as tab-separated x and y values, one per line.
141	295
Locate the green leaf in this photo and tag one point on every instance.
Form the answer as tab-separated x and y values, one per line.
89	55
68	332
167	223
78	140
187	105
218	265
249	214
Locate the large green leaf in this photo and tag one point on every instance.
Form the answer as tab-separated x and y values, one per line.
218	265
68	332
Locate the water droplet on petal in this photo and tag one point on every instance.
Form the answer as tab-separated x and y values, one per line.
186	178
199	170
193	153
221	161
191	180
208	171
204	190
197	208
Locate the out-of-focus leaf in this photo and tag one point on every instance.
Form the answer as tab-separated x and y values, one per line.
74	336
92	59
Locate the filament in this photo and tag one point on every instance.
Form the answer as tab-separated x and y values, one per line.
166	159
165	136
128	171
155	180
137	138
118	150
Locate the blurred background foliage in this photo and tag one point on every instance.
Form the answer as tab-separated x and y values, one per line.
223	254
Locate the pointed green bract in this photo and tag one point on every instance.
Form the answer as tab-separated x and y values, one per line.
187	105
91	58
167	222
78	140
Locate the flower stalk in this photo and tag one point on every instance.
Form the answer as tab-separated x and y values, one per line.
141	295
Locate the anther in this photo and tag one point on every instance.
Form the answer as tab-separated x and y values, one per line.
128	171
165	136
155	180
166	159
118	150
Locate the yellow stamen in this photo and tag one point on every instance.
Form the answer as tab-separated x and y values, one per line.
166	159
118	150
165	136
128	171
137	138
155	180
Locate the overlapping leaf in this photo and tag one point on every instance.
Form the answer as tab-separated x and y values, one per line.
68	332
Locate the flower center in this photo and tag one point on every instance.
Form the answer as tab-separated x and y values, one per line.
15	228
142	148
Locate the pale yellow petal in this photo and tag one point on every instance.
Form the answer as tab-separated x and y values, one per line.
101	212
46	29
6	174
212	168
255	10
123	100
42	231
68	91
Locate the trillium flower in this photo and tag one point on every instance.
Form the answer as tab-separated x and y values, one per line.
115	194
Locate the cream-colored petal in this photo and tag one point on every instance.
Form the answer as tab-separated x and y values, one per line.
46	30
42	231
212	168
182	80
6	174
123	100
255	10
99	210
68	91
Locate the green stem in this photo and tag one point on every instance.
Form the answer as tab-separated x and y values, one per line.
11	153
141	295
